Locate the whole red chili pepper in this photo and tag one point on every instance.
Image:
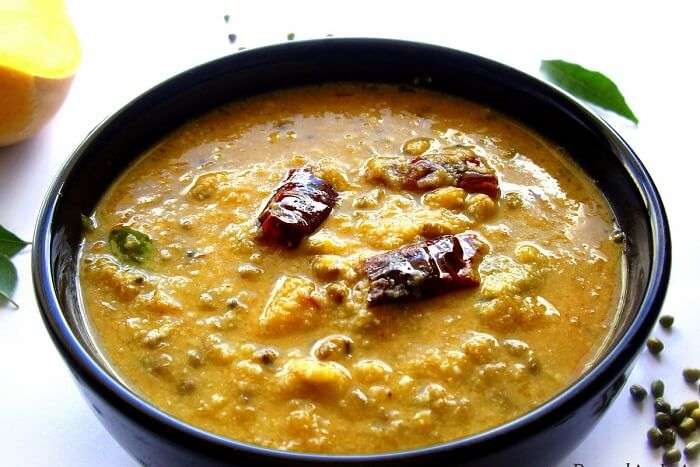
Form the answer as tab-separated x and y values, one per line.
297	208
424	269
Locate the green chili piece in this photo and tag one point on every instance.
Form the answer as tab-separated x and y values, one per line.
129	244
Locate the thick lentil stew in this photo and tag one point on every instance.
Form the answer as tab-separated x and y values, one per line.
351	268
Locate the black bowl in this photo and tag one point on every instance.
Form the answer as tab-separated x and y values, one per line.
541	436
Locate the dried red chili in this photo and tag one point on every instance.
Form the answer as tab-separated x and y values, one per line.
297	208
424	269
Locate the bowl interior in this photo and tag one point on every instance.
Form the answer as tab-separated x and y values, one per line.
122	138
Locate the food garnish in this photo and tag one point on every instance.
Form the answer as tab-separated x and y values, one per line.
589	85
297	208
10	245
130	245
425	269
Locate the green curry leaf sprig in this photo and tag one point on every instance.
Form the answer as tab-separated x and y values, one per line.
591	86
10	245
130	245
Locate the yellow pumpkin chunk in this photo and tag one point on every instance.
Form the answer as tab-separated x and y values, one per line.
290	308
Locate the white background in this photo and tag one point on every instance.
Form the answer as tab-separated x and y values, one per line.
650	51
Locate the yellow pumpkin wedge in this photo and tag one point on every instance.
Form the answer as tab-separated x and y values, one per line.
39	54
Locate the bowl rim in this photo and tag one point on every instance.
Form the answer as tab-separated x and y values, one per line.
620	354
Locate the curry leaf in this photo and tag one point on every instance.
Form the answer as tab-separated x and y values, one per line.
131	245
8	278
591	86
10	244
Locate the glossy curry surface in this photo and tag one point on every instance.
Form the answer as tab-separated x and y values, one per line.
277	344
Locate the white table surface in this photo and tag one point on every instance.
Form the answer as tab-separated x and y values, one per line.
651	52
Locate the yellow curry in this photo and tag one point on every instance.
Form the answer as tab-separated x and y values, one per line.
351	268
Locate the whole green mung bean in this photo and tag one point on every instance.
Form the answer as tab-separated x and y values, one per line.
671	456
663	420
668	437
654	345
692	449
657	388
695	415
638	393
689	406
691	375
677	415
666	321
686	427
660	405
655	437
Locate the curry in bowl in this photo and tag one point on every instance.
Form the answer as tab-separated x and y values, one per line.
351	268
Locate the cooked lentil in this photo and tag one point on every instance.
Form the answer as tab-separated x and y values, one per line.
277	346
